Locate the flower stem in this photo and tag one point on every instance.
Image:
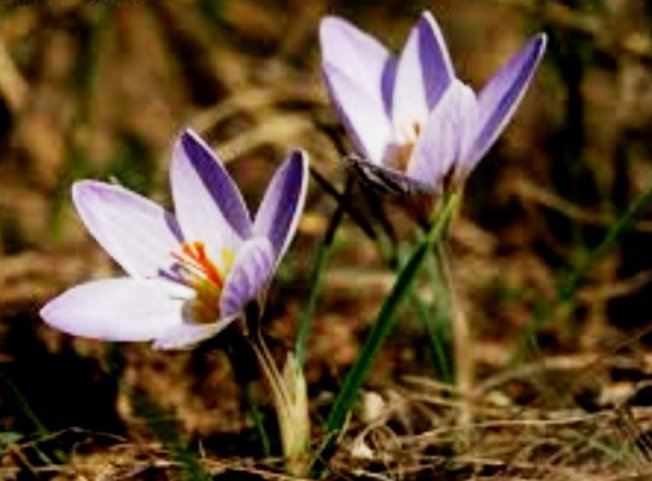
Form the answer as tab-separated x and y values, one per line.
461	334
289	397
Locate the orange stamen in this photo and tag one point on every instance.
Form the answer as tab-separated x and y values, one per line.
195	259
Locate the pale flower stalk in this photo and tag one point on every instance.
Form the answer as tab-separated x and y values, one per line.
290	397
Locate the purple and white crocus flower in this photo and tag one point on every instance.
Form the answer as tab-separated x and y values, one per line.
412	120
190	274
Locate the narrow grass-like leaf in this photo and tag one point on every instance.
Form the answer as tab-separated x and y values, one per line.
164	427
23	405
439	324
321	259
436	319
7	438
259	420
353	382
543	312
343	201
28	412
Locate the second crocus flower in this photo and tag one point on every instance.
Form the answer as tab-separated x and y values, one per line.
416	125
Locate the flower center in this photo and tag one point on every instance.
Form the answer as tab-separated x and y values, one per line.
201	273
400	153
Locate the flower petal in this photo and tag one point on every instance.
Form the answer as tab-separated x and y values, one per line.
208	204
500	97
359	74
445	137
360	56
122	309
282	204
423	74
252	270
363	117
188	335
136	232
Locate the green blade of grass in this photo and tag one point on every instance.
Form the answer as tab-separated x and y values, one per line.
164	427
344	201
24	405
384	322
440	324
573	280
322	256
259	421
435	319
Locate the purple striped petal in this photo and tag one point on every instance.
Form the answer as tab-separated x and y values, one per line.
359	74
360	56
445	137
364	119
282	204
208	204
424	73
252	270
122	309
188	335
500	97
136	232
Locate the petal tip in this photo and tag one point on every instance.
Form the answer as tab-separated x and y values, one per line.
45	312
299	156
428	19
189	136
191	151
331	24
427	15
186	138
51	313
330	21
85	192
539	43
298	161
189	131
83	187
192	144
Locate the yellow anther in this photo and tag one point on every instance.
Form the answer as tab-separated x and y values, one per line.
205	277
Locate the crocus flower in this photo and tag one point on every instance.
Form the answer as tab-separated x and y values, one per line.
415	124
191	274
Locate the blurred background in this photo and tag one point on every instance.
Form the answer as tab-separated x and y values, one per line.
553	245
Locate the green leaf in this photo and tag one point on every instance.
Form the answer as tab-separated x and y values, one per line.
544	312
353	382
321	258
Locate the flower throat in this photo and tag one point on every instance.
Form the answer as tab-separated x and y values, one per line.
201	273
